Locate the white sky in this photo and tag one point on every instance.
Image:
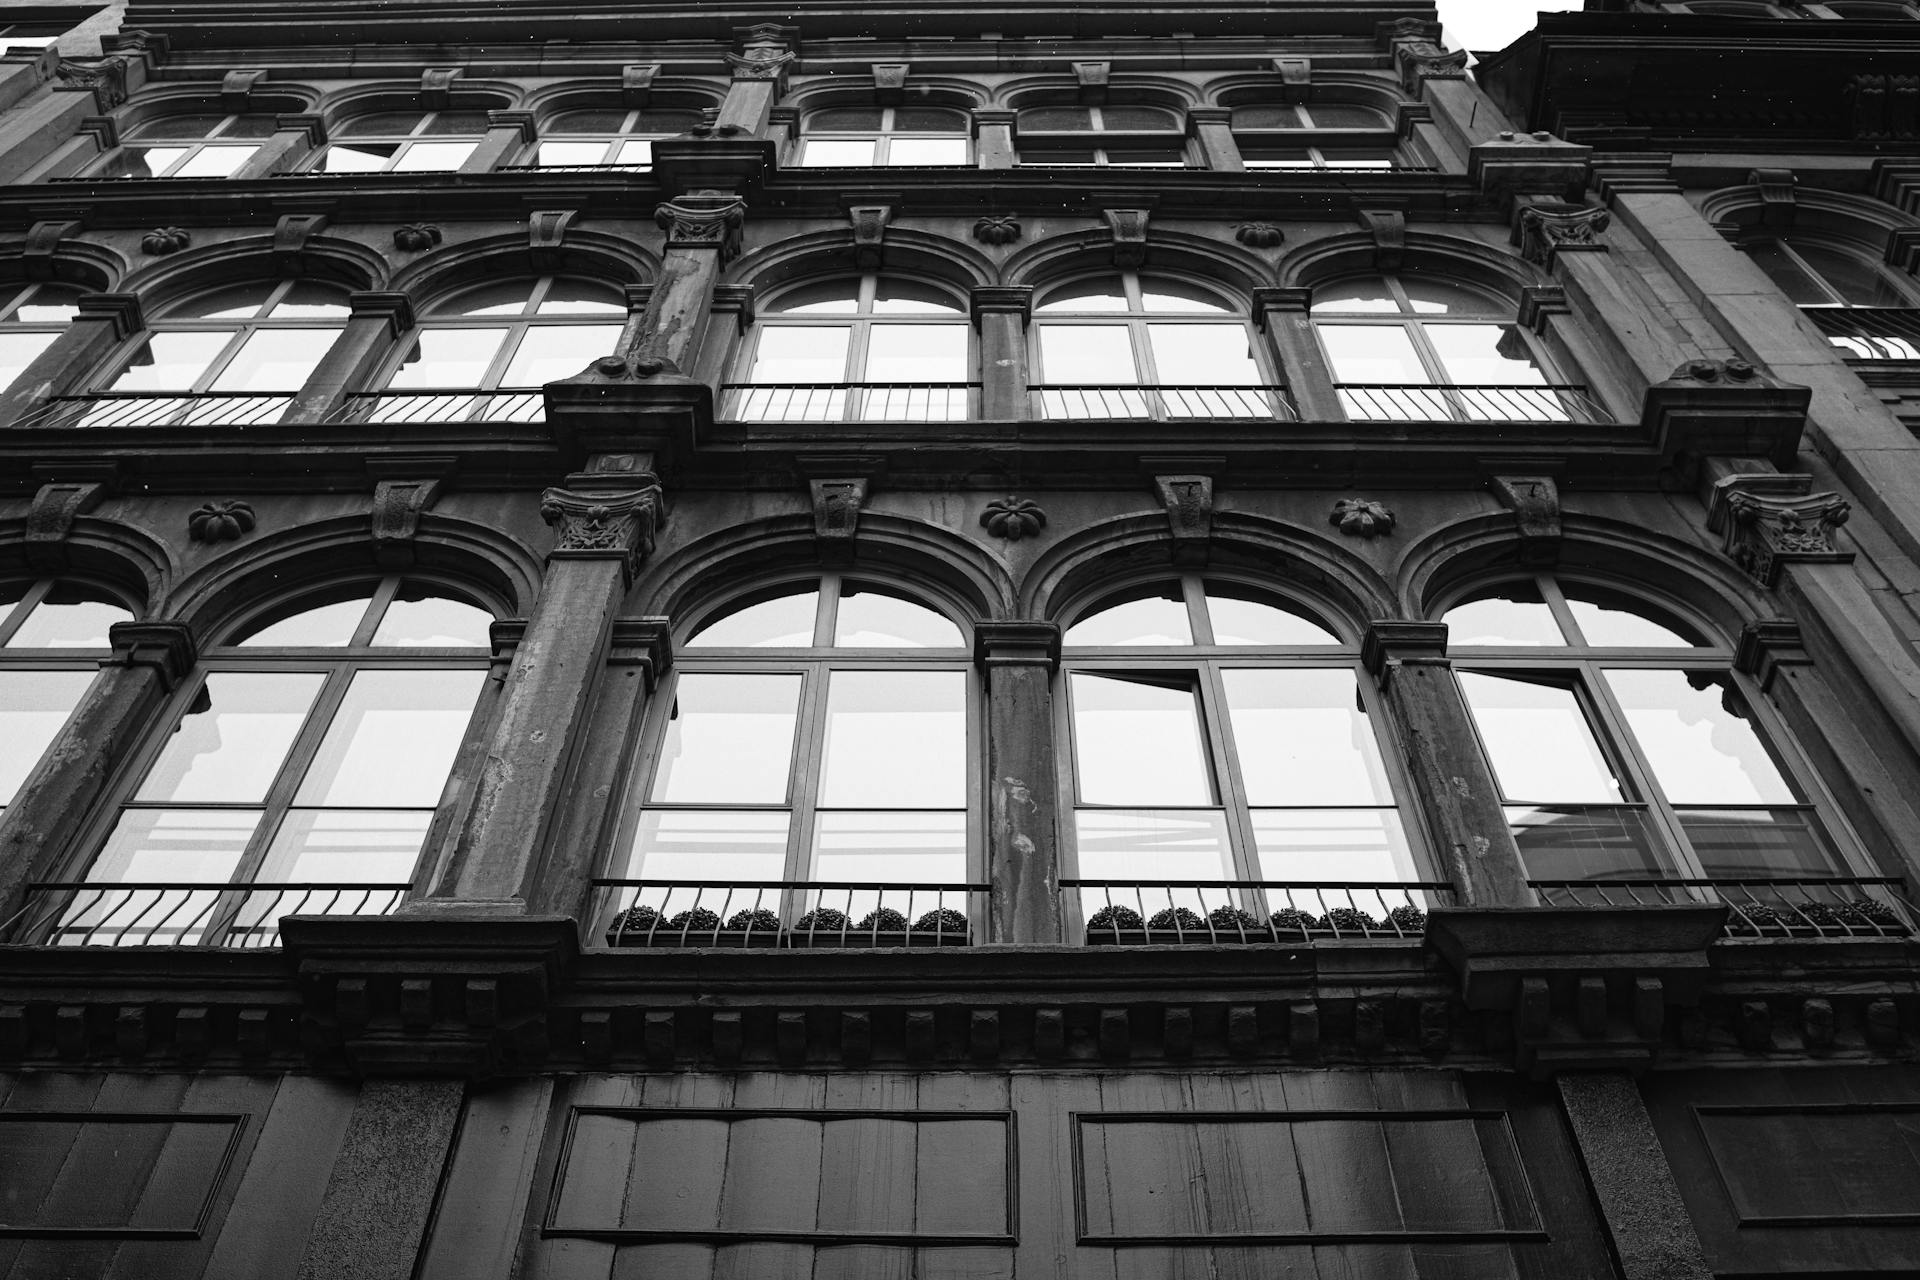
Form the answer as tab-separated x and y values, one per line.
1493	24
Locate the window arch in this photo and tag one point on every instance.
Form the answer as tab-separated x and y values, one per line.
504	339
807	778
1225	771
868	348
1626	748
860	136
31	317
53	634
1844	294
1128	345
1423	348
1133	136
609	137
298	770
402	141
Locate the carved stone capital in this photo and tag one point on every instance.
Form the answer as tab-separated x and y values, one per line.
1419	62
1017	644
1188	500
1535	503
1767	520
121	310
604	524
763	62
167	647
1390	641
395	309
104	78
50	520
646	643
1002	299
1542	231
704	220
313	126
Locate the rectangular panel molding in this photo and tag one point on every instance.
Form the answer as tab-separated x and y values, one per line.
1301	1177
114	1175
887	1177
1813	1165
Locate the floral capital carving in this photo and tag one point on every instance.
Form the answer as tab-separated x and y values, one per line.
162	241
761	62
1362	518
1545	231
704	221
1761	532
1259	235
1013	518
220	521
611	525
104	78
416	237
997	229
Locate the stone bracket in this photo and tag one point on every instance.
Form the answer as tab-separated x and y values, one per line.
1388	227
1129	228
890	83
236	88
1188	500
1769	520
1727	409
436	87
397	508
1296	78
166	647
43	243
547	235
869	234
290	236
1092	78
50	520
1903	249
1535	503
636	83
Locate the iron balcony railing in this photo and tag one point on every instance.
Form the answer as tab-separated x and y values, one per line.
1870	333
1121	912
1258	403
1379	402
445	406
184	913
628	165
785	913
161	409
1808	907
849	401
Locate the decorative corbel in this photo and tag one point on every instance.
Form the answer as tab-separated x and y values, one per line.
236	88
50	520
104	130
636	83
836	508
1129	227
1903	249
1421	61
1545	230
869	234
397	507
436	87
1092	78
735	300
1296	78
592	522
702	220
1538	302
104	78
290	236
43	242
1388	227
1535	503
767	53
889	83
1770	519
1777	204
1188	500
1766	645
546	236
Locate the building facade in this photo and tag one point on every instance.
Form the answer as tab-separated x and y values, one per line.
1021	641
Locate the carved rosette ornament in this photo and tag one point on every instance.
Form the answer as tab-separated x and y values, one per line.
220	521
613	525
1546	230
1013	518
1259	235
162	241
1763	531
704	220
1362	518
416	237
997	229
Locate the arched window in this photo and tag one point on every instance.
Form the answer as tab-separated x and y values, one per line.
1864	310
505	340
1416	348
1225	772
401	142
858	137
1327	135
248	346
1739	9
807	778
1135	137
1627	749
210	144
866	348
31	317
609	137
52	637
1874	10
1134	346
298	771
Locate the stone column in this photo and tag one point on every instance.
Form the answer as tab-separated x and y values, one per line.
703	235
604	521
105	321
149	660
294	139
1282	314
1640	1203
1023	793
507	133
1212	128
1000	313
378	320
1454	782
759	80
993	138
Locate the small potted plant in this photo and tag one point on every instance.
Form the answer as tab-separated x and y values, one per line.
1408	919
821	927
1231	924
1289	923
1181	924
633	927
1348	921
751	928
1112	924
948	925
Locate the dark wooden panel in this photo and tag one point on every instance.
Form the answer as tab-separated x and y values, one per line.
1840	1163
476	1231
106	1159
265	1228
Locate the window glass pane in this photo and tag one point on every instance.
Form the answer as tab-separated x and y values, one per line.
895	739
68	618
829	297
581	297
589	120
844	120
1372	353
1167	157
715	846
1266	117
1758	844
550	352
1538	740
1303	739
140	162
1587	842
1859	283
33	706
928	151
1124	119
214	162
816	353
1478	355
365	157
666	121
1138	740
785	622
1237	620
433	622
392	740
438	157
1334	116
324	626
322	846
1440	297
730	739
636	151
1308	845
1207	354
200	846
1517	615
1151	846
1096	353
48	304
378	124
308	301
1154	620
897	847
1173	295
917	353
837	153
1694	730
449	122
448	358
1087	295
1608	619
906	297
275	360
231	740
18	350
199	125
928	120
234	302
869	619
562	153
1357	158
1043	119
170	361
1277	158
502	298
1031	153
1369	293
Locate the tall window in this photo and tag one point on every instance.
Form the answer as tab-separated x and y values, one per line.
1865	311
819	735
1136	137
506	339
609	137
52	637
875	348
204	145
857	137
402	142
309	754
31	317
1415	348
1623	744
1133	346
1221	735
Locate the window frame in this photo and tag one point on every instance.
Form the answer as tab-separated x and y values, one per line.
882	137
615	141
1101	141
83	658
213	139
23	294
316	162
239	329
